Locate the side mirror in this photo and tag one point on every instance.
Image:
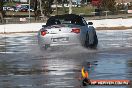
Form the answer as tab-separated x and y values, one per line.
90	23
43	26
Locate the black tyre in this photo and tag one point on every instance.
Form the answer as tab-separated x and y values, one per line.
87	41
95	43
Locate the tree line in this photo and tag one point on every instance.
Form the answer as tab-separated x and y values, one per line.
44	8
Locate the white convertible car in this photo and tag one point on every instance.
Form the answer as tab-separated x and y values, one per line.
68	29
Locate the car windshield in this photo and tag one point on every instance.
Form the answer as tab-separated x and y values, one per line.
77	20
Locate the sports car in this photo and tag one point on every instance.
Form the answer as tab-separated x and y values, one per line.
67	29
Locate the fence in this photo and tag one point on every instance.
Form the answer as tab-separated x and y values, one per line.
19	20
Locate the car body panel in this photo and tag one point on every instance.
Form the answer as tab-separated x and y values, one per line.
62	33
61	36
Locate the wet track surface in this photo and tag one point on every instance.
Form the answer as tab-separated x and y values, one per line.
24	65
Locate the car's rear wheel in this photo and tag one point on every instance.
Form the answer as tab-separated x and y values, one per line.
87	41
95	42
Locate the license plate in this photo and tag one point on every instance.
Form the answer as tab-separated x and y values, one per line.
61	39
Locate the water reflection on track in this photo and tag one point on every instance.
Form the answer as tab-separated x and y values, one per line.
24	65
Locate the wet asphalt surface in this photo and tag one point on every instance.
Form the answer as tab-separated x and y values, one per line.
24	65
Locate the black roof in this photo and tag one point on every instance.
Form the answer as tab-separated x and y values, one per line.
66	17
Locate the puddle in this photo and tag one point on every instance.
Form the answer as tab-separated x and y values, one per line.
24	65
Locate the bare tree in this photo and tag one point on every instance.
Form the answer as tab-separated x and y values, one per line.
1	11
63	2
64	10
34	3
56	2
45	7
108	5
41	9
70	6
